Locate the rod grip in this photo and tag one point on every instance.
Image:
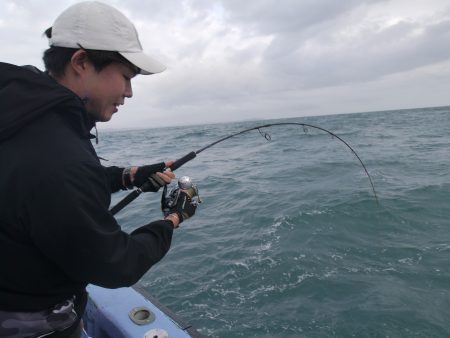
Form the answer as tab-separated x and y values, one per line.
124	202
186	158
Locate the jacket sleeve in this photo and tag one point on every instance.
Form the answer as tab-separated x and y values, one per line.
72	226
114	175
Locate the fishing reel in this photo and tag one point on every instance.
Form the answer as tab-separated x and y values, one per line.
170	200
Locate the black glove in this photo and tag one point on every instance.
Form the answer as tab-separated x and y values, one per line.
147	173
184	207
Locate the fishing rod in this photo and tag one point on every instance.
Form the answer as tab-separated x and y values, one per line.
193	154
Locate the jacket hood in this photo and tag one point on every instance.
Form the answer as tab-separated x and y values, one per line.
26	93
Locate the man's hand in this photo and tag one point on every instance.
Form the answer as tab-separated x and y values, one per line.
183	209
153	173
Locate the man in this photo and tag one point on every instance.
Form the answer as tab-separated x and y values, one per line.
56	232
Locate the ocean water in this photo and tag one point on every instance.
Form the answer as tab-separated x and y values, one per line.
289	240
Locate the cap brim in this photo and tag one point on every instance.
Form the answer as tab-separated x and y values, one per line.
147	64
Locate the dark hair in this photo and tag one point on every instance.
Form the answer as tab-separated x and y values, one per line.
56	58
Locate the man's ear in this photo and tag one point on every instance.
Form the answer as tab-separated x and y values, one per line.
79	61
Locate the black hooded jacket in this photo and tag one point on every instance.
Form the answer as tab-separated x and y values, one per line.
56	233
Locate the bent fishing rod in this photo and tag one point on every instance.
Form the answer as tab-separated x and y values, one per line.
193	154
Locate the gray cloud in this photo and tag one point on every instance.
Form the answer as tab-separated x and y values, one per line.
231	60
275	17
398	48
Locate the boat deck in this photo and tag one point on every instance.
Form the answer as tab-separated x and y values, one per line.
131	313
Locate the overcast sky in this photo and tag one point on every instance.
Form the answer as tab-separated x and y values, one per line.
235	59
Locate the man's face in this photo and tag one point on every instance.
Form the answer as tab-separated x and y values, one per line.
106	90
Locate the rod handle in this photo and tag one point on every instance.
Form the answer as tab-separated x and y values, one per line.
124	202
186	158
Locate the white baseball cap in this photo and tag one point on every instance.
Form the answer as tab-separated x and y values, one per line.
95	25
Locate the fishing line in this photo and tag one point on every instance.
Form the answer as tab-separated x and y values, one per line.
186	158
